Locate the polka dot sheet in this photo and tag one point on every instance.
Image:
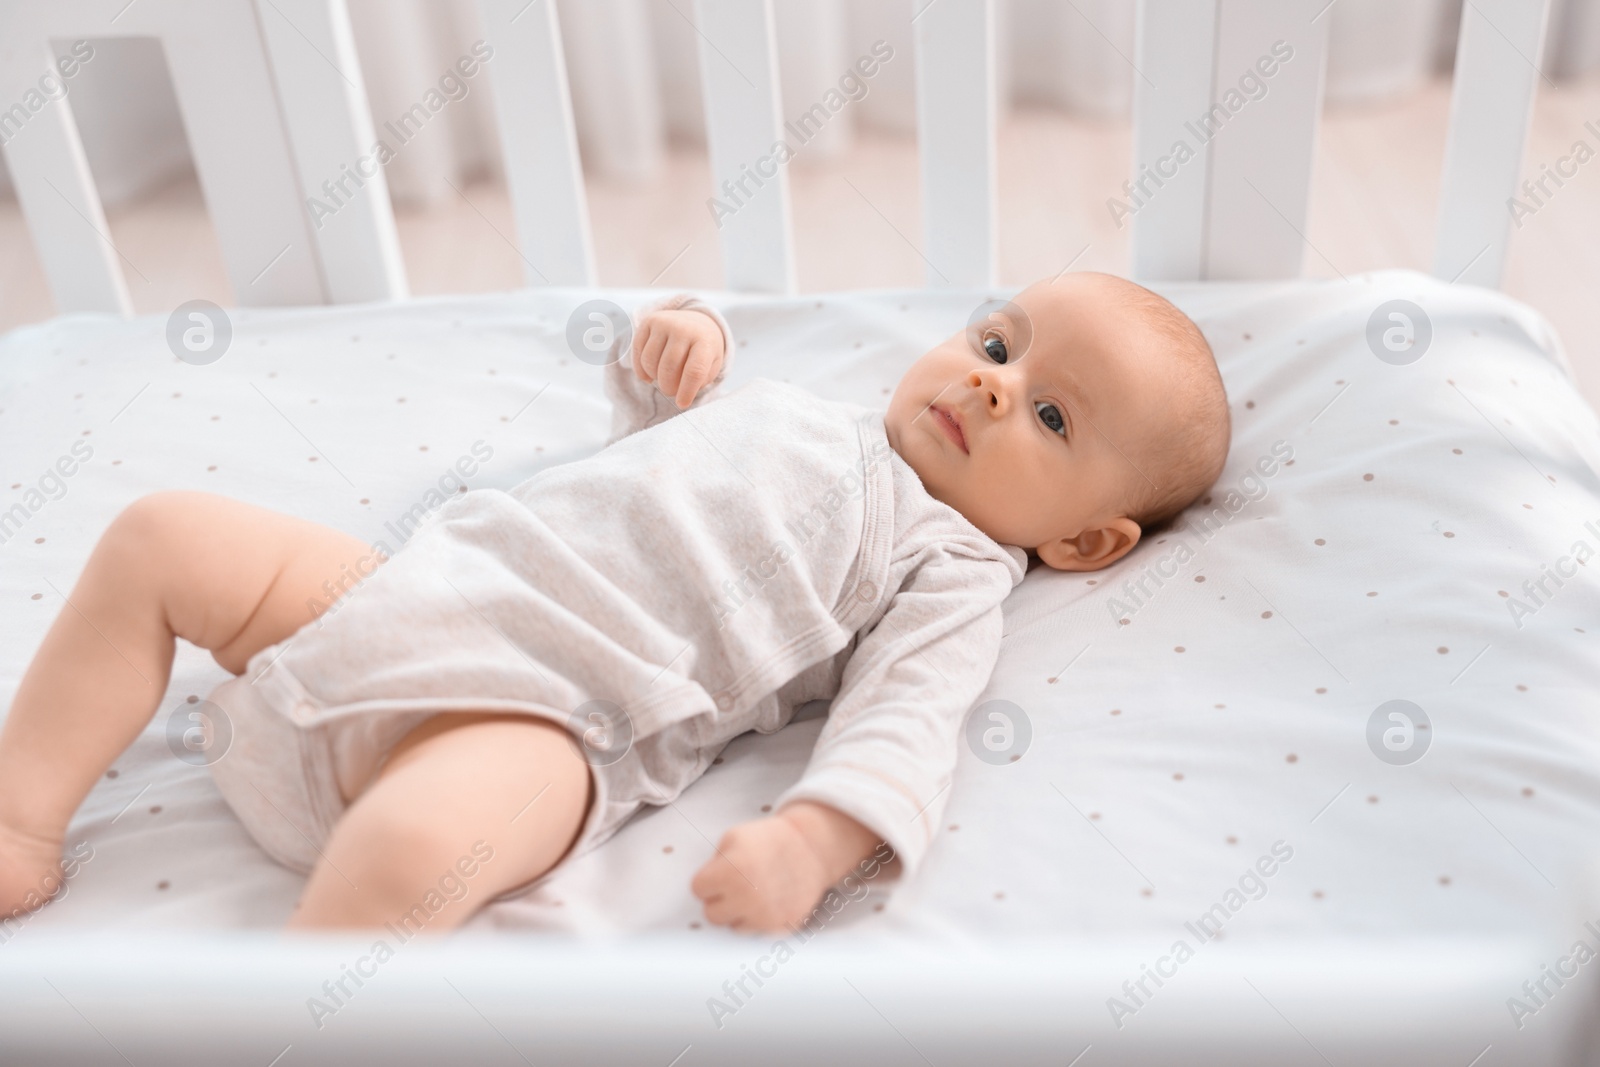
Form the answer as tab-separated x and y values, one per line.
1356	691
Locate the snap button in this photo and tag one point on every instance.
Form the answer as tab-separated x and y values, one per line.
866	591
723	701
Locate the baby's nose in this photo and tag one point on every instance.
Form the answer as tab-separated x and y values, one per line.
991	390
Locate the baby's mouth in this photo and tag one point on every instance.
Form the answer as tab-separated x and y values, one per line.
949	426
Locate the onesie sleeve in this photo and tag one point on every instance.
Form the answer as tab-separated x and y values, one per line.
637	405
888	748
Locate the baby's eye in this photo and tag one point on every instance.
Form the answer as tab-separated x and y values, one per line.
995	348
1051	417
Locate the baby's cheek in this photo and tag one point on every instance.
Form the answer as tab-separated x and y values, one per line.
1012	505
999	492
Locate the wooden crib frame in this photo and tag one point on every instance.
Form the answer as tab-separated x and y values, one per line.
272	100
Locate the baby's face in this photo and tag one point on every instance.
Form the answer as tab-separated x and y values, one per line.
1030	423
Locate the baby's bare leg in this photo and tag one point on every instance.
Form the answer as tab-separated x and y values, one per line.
467	806
224	575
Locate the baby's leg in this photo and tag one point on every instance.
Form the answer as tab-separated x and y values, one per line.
467	806
224	575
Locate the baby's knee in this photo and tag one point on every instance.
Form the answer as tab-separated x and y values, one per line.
154	523
396	851
386	864
148	538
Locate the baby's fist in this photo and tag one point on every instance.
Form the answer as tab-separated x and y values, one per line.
680	351
764	876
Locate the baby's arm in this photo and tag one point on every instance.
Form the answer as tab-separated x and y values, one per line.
880	772
680	354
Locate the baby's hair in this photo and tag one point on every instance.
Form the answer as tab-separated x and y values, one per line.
1186	460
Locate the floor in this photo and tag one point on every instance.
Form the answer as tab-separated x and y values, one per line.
1373	203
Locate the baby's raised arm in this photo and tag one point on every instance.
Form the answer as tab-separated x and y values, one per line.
680	350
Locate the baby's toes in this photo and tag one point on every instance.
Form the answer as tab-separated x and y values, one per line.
723	911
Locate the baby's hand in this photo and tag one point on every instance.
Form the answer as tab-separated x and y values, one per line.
765	876
770	874
678	350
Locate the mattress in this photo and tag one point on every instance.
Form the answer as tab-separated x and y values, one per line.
1354	693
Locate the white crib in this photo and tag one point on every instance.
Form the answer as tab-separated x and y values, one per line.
272	101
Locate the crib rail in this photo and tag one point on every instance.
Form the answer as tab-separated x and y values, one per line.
739	76
1491	109
272	100
956	128
1236	210
329	126
540	145
1176	38
1247	106
672	1000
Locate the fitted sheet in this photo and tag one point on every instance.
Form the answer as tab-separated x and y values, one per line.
1166	755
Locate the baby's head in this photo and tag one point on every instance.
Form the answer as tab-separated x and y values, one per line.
1082	413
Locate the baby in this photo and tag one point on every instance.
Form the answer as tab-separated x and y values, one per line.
539	663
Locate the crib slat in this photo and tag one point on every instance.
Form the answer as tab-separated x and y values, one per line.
616	92
533	105
955	48
1491	108
224	85
1261	155
52	181
1166	201
749	185
329	122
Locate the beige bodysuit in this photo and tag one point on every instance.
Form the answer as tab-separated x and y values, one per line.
703	575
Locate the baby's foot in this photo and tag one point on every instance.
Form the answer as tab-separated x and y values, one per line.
30	870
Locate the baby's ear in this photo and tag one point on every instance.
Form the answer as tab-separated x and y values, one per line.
1092	549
